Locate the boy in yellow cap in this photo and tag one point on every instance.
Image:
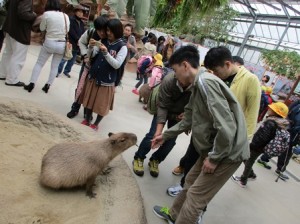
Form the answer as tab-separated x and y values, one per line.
272	138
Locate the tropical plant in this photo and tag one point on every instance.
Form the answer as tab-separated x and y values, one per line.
215	26
282	62
168	9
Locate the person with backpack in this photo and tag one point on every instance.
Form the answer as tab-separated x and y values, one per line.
157	74
88	38
271	138
75	32
104	74
284	158
167	109
145	65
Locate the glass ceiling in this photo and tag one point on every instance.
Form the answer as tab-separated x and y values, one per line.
265	24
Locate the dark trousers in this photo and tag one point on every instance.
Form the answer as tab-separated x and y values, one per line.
284	158
248	166
69	65
188	160
161	153
143	77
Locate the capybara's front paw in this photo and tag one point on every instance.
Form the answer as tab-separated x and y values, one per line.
91	194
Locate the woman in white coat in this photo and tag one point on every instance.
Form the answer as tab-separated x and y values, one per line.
56	24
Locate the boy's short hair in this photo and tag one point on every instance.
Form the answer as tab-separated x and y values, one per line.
185	53
217	56
267	78
238	59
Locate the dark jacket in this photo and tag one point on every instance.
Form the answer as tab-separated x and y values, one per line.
100	69
171	99
19	19
75	32
267	132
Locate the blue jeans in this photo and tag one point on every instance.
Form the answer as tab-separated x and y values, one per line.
69	65
162	152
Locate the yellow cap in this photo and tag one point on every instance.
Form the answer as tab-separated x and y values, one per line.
263	88
268	90
280	108
158	60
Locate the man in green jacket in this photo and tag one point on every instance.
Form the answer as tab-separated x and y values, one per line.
219	136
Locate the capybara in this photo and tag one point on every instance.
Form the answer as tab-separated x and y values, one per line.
72	164
144	93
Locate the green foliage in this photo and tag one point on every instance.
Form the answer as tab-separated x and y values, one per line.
168	9
282	62
214	25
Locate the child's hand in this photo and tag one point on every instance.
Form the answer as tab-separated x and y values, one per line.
92	42
103	48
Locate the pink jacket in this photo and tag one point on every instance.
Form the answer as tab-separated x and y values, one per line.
155	76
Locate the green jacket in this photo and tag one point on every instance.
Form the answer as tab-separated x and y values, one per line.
216	120
246	88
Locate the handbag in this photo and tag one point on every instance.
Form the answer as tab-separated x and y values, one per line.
68	48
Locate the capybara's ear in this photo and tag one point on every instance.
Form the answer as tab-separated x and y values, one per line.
110	134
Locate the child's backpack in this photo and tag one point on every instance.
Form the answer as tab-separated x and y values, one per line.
279	144
153	100
142	59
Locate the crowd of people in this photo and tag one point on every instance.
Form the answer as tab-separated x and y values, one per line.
219	103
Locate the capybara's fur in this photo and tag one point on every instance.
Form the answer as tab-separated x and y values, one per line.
72	164
144	93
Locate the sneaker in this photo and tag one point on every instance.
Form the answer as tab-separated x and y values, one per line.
85	122
237	180
153	165
91	118
174	190
72	114
67	74
252	176
163	213
264	164
281	175
138	166
94	127
135	91
178	170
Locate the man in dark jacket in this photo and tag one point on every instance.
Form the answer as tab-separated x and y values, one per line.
76	30
172	97
20	17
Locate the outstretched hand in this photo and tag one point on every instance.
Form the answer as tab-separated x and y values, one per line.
157	141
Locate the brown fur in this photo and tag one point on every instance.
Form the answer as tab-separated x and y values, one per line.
68	165
144	93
